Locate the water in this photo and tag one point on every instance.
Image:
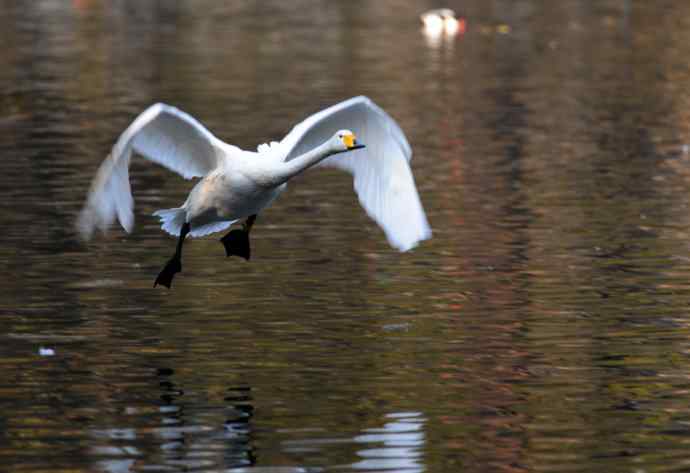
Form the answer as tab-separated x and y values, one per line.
545	327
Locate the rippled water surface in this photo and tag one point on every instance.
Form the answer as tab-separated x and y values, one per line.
545	327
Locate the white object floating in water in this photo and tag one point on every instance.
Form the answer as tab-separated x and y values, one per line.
46	351
441	21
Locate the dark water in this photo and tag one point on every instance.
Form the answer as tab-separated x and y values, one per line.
545	327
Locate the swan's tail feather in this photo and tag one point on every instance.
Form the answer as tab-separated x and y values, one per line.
171	219
210	228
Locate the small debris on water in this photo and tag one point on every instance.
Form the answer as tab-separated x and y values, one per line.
42	351
403	327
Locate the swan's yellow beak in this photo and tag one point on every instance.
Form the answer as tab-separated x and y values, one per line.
350	140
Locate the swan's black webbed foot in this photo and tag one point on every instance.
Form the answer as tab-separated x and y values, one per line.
165	277
174	265
236	242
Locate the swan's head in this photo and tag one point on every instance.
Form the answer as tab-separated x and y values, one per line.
345	140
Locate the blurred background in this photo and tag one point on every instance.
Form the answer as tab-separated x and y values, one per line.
543	328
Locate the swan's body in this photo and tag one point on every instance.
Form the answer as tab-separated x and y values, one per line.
237	184
232	191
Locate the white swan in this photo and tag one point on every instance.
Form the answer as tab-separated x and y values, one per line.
237	184
441	20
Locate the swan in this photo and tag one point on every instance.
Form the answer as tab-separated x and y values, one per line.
237	184
441	20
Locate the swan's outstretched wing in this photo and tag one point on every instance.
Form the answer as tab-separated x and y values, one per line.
382	174
162	134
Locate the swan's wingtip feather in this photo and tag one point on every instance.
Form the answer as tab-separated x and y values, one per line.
159	106
127	221
405	245
85	225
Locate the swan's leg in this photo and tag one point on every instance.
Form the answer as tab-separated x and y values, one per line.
236	242
174	265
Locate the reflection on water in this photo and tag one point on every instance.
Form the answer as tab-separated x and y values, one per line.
544	327
177	436
396	446
182	437
402	441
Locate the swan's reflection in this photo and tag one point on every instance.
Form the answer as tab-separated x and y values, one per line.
397	446
117	458
181	439
401	439
183	433
239	451
191	444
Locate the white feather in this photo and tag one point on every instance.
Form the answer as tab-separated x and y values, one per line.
209	228
171	219
268	147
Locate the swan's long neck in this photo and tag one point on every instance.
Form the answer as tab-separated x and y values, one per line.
295	166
